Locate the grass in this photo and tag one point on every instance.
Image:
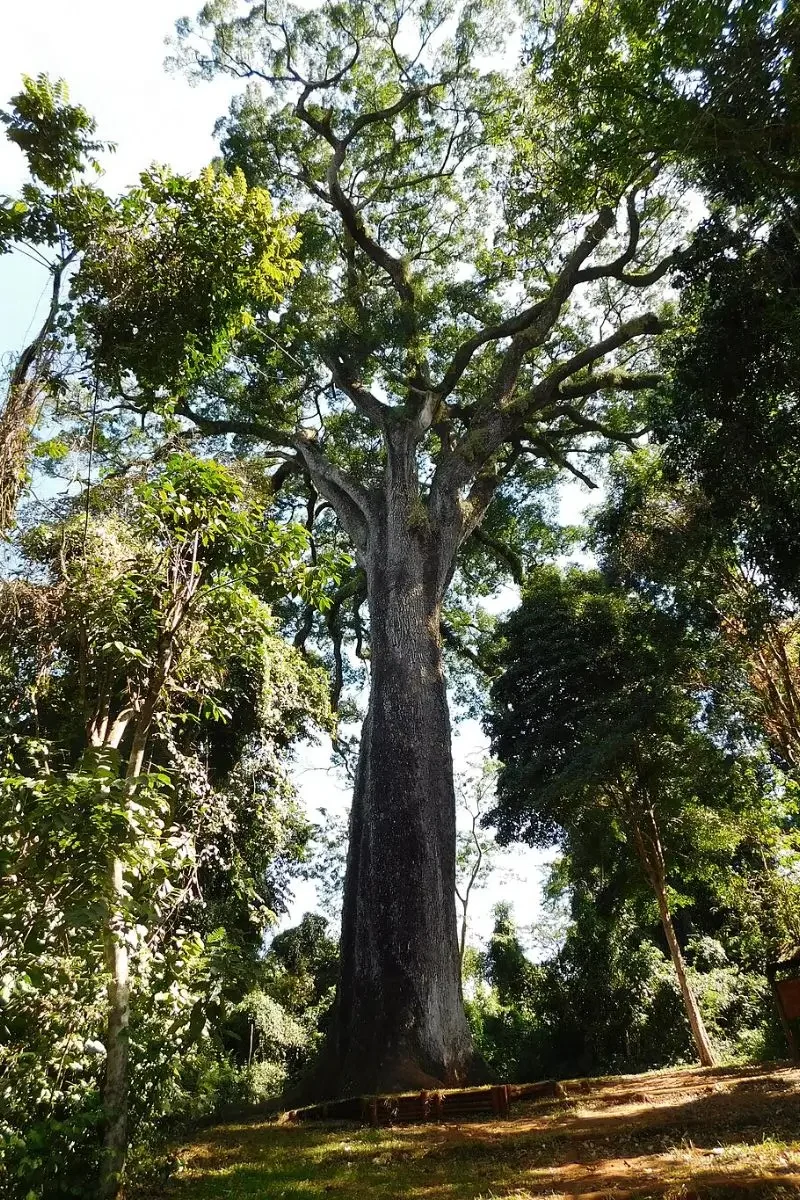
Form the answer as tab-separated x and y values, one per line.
676	1135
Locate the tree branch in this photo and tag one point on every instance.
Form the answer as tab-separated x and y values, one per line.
641	279
481	443
609	381
281	474
501	551
362	398
616	268
646	323
214	427
412	96
395	268
450	638
583	424
535	322
348	499
545	449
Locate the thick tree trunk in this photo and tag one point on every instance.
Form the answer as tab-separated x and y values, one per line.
399	1019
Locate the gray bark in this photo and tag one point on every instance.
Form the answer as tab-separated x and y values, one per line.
116	1086
115	1091
399	1020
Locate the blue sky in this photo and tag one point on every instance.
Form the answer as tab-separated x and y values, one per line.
112	56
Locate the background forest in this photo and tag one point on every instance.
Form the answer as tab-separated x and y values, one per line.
285	431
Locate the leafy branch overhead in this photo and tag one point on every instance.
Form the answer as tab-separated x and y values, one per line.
169	282
437	307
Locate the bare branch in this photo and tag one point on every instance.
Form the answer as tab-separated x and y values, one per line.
584	424
544	448
645	324
483	441
450	638
629	253
213	426
643	279
395	268
502	552
281	474
410	97
616	268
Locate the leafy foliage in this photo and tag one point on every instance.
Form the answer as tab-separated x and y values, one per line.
464	305
591	679
56	137
608	1001
172	278
435	200
730	419
211	831
605	737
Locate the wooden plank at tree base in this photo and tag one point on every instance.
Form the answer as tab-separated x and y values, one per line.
533	1091
412	1107
789	992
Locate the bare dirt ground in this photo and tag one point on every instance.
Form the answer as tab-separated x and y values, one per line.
673	1134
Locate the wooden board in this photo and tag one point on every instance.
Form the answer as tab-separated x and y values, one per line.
412	1106
789	992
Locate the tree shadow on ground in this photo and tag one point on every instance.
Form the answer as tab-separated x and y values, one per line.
676	1135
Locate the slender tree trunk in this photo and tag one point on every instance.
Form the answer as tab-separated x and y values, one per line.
464	899
399	1018
699	1033
115	1090
18	415
652	858
462	937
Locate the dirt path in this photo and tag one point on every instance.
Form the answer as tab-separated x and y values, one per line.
676	1134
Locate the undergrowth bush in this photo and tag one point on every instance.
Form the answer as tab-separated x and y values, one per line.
611	1005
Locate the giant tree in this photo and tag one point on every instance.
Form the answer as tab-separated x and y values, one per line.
471	308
